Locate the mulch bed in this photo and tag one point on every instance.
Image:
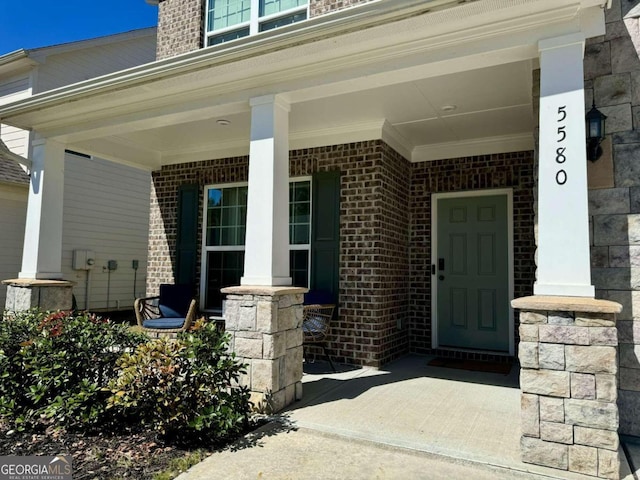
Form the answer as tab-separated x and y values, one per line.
100	457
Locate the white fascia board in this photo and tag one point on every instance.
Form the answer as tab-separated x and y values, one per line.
517	14
468	148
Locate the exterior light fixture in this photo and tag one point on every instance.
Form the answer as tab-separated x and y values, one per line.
595	133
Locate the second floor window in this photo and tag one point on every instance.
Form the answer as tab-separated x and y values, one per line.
231	19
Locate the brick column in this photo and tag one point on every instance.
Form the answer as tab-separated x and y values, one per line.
568	379
265	324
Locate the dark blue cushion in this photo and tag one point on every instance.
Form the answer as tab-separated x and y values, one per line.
164	323
318	297
174	300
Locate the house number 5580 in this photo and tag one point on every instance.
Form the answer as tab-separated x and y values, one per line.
561	175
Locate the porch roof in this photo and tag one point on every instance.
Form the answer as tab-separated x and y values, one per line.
434	79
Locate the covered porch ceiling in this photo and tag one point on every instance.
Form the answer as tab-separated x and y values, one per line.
435	79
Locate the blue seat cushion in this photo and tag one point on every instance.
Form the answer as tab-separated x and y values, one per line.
314	325
174	300
173	322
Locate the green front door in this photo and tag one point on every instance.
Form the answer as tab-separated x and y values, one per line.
472	273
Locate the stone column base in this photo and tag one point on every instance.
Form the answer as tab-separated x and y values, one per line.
569	363
265	324
25	294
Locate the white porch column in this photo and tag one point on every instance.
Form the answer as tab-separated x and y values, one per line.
563	222
42	251
267	243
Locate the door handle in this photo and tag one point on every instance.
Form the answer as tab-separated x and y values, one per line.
441	277
441	264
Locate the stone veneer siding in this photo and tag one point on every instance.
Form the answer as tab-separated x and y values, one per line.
509	170
569	360
612	76
180	27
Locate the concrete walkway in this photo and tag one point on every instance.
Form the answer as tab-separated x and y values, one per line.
407	421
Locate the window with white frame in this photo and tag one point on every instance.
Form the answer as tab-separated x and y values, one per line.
231	19
225	218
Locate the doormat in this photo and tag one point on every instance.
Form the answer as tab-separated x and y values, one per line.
472	365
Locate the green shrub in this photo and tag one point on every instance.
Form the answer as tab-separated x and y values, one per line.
181	388
55	367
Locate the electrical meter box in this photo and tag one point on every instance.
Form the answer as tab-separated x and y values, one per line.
83	259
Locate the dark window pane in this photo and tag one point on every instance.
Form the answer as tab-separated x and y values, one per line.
224	269
226	37
282	21
301	234
299	265
302	192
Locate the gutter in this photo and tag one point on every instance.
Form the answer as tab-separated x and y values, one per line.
13	56
318	28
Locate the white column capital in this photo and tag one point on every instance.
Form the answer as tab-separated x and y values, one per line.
562	41
277	100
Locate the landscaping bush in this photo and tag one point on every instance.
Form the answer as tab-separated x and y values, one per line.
54	368
182	388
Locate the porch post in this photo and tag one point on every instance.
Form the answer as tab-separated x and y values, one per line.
563	226
40	279
267	240
42	251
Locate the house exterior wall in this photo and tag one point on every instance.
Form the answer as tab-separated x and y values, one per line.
612	78
181	23
13	88
75	66
180	27
385	228
509	170
13	209
321	7
373	232
106	210
106	205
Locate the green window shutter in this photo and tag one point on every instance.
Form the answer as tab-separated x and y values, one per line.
325	232
187	234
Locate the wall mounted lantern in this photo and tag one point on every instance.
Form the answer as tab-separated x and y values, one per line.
595	133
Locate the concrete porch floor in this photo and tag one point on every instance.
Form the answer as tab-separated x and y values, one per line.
407	420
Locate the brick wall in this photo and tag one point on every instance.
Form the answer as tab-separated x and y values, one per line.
374	239
320	7
164	204
373	274
513	170
181	23
384	307
180	27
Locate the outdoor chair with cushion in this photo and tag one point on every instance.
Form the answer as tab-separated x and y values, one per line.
174	310
317	314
